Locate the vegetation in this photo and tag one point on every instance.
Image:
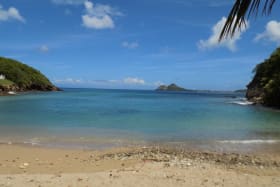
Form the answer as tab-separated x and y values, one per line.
265	86
241	91
237	16
6	82
171	87
24	77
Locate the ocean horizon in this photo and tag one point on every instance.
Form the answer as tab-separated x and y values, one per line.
89	118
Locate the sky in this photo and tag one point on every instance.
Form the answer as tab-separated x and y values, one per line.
135	44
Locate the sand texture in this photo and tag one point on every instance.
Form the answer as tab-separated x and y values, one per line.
35	166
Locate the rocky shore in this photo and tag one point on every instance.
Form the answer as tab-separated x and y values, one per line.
13	90
138	166
264	87
185	158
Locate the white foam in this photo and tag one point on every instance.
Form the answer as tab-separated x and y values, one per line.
250	141
242	101
11	93
32	141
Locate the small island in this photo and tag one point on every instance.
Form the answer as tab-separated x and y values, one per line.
171	87
18	77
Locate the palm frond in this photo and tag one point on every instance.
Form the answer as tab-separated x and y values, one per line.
237	16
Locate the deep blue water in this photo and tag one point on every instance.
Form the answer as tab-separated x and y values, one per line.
95	116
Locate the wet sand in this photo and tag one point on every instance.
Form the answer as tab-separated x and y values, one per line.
36	166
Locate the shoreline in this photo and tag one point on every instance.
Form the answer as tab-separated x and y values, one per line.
243	147
24	92
22	165
248	146
144	153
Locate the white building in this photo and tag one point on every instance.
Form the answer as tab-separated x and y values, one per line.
2	77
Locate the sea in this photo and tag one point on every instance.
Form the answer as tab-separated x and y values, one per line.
101	119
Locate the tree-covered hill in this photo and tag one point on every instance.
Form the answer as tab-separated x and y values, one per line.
20	77
265	86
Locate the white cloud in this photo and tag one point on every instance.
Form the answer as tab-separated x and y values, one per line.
134	80
99	16
10	14
68	81
229	42
128	82
44	49
68	2
88	5
130	45
271	33
104	22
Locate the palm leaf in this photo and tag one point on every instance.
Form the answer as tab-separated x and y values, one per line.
237	16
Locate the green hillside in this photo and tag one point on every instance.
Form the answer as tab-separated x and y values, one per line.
23	77
265	86
6	82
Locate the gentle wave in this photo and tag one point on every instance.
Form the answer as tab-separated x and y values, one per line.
32	141
250	141
243	102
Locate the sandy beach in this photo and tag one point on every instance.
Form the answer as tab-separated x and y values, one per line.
148	93
36	166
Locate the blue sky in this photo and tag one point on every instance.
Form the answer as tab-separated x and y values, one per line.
135	44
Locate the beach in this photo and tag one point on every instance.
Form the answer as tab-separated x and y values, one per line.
22	165
93	137
155	93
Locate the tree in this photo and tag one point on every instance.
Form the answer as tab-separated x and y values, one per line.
241	9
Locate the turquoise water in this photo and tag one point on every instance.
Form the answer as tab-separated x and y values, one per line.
100	118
